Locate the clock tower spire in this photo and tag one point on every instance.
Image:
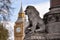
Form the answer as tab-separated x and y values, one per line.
19	25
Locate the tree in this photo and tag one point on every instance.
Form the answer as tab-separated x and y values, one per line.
3	33
5	6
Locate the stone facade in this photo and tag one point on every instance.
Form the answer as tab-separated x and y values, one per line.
54	3
52	21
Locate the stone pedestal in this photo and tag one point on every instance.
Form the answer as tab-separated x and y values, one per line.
35	36
52	22
53	36
54	3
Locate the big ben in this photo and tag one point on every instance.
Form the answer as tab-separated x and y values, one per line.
19	25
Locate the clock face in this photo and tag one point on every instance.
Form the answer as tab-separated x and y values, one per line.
18	29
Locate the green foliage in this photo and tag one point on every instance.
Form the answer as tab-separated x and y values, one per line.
3	33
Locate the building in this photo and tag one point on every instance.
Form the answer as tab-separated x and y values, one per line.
52	20
19	25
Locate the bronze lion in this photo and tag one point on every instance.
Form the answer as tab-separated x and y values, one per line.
35	21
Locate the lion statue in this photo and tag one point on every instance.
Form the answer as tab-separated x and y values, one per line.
35	22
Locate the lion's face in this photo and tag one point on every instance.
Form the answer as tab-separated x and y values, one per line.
27	11
31	10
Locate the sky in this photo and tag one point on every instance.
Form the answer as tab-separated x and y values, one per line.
41	5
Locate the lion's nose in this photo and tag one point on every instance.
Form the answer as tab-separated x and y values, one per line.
25	10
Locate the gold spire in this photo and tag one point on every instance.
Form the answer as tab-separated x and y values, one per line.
21	13
21	9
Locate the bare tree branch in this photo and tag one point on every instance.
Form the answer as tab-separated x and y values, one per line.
5	7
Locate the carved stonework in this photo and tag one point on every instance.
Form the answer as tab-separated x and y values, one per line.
35	36
52	22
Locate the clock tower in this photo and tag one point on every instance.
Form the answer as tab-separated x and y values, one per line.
19	25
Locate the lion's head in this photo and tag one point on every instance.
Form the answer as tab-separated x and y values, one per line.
31	10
